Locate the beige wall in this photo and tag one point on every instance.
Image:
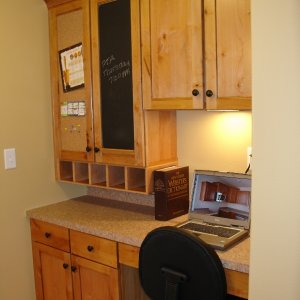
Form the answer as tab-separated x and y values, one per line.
214	140
25	123
275	251
205	140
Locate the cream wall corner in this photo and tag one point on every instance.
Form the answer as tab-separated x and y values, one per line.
25	124
275	232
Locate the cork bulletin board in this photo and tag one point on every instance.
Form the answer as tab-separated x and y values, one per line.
72	102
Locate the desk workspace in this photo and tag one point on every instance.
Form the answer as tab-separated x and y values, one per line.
78	227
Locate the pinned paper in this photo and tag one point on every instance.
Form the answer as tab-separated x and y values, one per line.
73	108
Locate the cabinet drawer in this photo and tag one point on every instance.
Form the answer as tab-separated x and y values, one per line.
94	248
50	234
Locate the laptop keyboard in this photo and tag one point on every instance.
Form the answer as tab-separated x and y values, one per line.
216	230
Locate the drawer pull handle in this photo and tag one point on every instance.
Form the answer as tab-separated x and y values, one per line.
65	266
73	269
90	248
47	235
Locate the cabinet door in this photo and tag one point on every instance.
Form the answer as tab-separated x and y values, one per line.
208	191
118	115
95	281
232	195
172	54
227	54
52	273
69	26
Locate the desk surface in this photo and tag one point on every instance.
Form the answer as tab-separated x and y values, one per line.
125	223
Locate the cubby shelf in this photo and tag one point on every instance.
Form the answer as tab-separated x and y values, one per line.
126	178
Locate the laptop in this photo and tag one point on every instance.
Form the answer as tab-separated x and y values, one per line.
219	209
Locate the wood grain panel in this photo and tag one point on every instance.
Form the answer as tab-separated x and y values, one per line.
171	54
233	48
228	54
50	234
237	283
130	284
103	251
94	281
161	142
52	279
129	255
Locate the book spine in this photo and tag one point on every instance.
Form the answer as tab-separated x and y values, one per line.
160	190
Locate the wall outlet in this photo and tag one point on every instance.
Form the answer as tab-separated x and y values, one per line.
249	156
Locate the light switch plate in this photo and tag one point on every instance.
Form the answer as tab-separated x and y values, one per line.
10	158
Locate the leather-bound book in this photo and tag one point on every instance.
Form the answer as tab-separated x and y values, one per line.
171	192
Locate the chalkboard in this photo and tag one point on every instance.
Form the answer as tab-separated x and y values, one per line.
116	75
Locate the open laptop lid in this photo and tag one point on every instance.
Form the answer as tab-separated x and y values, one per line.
221	198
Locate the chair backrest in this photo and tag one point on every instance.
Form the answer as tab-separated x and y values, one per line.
175	264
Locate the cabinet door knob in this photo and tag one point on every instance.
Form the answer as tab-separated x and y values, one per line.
209	93
47	235
90	248
195	92
73	269
65	265
96	149
88	149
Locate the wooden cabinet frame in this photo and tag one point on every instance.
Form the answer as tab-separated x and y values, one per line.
76	157
56	13
227	63
64	272
169	80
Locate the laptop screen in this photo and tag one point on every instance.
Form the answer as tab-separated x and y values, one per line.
221	197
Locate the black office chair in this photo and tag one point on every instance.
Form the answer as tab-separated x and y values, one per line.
176	265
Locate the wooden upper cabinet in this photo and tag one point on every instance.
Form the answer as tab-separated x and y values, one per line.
227	54
69	26
124	133
172	54
118	116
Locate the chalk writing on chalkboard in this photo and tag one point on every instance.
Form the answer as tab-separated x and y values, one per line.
116	86
114	70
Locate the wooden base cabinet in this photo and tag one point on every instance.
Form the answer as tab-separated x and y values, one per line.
94	281
61	274
53	278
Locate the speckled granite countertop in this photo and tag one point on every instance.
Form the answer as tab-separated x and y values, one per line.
123	222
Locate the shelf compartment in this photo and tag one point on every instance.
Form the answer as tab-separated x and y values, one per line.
66	171
81	172
116	177
136	179
98	175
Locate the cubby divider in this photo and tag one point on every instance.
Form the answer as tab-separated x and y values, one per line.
66	171
81	173
136	180
98	175
116	177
